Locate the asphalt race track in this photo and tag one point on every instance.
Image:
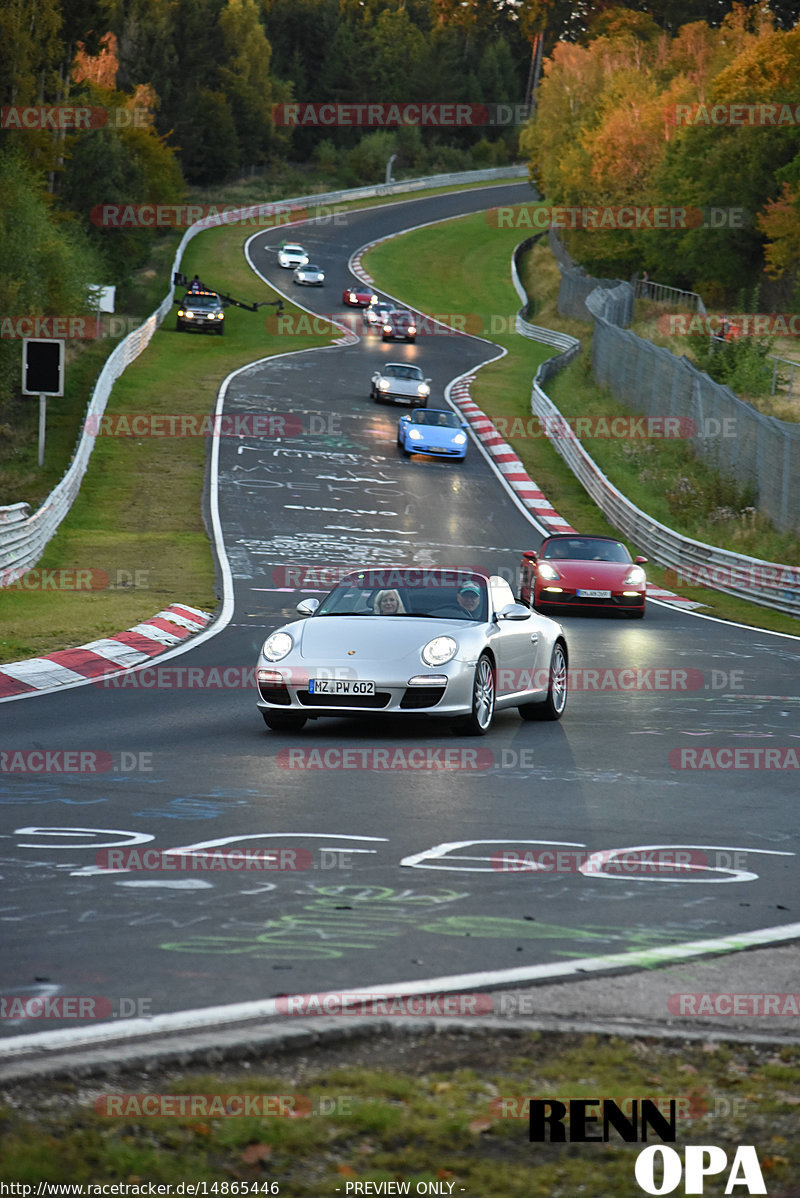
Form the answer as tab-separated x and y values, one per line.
365	897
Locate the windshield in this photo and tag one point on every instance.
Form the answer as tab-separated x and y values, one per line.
293	249
586	549
403	372
433	417
442	594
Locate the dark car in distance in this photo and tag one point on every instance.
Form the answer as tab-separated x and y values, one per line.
201	311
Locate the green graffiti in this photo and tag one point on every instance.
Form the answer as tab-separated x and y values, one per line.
342	918
339	918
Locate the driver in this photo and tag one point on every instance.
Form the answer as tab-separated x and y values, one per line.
468	598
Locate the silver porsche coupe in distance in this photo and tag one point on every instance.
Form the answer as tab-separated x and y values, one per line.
415	640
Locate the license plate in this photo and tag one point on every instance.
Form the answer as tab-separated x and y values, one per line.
594	594
340	686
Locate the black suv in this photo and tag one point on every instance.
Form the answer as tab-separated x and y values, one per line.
201	310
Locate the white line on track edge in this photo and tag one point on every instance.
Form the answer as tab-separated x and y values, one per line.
232	1013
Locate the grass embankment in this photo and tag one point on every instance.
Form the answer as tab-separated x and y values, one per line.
139	513
419	1117
464	265
138	517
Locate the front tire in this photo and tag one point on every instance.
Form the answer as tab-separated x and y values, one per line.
284	721
479	721
557	687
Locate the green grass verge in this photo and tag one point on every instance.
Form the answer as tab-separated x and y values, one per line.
462	266
421	1116
138	515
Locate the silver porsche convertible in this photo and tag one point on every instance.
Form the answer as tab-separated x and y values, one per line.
414	640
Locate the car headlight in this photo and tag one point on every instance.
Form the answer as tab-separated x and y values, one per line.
459	439
383	384
415	434
635	577
412	329
387	328
423	389
545	570
439	651
277	646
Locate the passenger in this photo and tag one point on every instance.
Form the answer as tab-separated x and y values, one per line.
388	603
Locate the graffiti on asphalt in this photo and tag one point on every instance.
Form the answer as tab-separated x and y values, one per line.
341	918
336	919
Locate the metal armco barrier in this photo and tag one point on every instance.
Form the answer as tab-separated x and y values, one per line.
23	537
693	562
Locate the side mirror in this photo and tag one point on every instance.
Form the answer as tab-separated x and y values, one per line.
530	555
514	611
640	561
307	607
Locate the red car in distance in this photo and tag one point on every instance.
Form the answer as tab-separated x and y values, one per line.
359	296
583	573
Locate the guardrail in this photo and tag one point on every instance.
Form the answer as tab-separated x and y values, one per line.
694	563
676	297
535	332
23	537
778	378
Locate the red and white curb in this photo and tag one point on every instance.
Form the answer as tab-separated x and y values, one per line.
506	460
162	631
521	483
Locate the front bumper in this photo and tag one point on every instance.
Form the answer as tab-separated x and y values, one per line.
569	599
411	401
451	695
439	451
